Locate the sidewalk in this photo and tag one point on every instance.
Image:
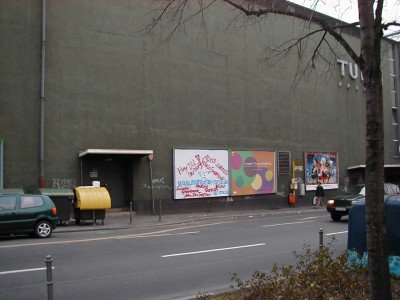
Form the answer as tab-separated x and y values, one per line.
121	219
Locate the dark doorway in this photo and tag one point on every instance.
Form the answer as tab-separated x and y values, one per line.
113	173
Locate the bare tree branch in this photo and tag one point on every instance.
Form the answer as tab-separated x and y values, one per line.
387	25
378	14
332	30
259	9
160	16
316	50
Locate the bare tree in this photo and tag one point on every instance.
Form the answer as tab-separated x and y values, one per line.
371	26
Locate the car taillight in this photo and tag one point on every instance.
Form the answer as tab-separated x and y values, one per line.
330	203
54	210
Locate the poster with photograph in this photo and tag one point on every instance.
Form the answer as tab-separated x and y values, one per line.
201	173
253	172
321	167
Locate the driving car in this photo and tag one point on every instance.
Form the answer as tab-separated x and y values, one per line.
26	213
340	206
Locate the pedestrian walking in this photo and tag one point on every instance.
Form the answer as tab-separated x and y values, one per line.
319	194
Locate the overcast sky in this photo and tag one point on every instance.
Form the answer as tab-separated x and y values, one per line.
347	10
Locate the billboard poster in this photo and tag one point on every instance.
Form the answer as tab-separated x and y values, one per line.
253	172
321	167
201	173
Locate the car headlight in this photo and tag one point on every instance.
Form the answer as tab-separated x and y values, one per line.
354	202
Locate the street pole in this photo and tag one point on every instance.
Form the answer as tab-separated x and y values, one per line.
1	164
151	182
130	212
159	211
321	238
49	274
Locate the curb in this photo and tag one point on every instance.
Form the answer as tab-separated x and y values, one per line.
81	228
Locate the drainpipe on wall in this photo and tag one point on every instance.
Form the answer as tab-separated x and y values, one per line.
1	165
151	181
42	98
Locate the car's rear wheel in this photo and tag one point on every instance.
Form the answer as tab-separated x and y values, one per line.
43	229
336	217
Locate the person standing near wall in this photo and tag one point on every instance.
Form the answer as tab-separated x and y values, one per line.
319	193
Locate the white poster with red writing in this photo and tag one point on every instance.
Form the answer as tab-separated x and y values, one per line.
201	173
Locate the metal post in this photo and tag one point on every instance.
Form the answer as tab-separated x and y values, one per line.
151	184
1	165
130	212
159	211
321	238
49	273
94	218
81	170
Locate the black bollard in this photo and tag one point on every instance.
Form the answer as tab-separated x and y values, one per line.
321	238
49	272
130	212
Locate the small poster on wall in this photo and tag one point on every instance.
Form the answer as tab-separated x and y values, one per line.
201	173
253	172
321	167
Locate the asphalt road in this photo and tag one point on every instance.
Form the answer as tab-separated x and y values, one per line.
169	262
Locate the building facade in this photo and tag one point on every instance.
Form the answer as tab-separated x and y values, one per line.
87	95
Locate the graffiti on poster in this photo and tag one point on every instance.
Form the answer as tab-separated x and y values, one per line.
201	173
321	167
253	172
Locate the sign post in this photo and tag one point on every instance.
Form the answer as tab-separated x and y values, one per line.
1	164
151	181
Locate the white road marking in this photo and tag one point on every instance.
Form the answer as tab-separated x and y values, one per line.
309	218
213	250
111	237
22	271
339	232
292	223
133	236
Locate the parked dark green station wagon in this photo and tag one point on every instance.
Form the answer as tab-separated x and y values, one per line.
27	214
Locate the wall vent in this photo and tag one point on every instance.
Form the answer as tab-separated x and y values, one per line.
283	162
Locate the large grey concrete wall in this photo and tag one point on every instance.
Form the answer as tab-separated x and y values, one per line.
20	90
110	86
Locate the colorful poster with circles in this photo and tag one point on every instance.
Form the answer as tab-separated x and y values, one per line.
253	172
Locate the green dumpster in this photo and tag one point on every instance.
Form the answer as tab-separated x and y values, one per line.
63	199
17	191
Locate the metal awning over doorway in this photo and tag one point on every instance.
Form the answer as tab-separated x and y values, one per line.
114	152
356	173
118	170
363	167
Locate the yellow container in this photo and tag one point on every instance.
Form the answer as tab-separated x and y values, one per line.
92	198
